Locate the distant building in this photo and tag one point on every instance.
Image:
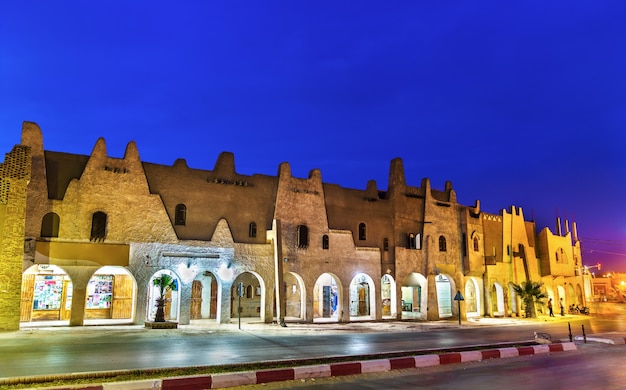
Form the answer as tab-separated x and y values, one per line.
610	287
98	231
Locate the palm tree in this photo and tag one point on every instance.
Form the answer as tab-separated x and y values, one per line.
165	283
530	293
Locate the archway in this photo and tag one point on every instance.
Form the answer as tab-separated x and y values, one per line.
472	298
414	296
205	297
388	296
46	295
562	298
497	300
326	298
111	293
252	302
579	295
295	297
172	304
513	300
571	294
444	295
362	301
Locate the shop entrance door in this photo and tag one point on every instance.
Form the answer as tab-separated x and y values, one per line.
26	306
122	297
196	300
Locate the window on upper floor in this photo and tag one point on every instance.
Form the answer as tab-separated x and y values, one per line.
302	236
561	257
180	216
442	244
385	244
249	292
98	226
415	241
362	231
252	229
325	243
50	225
476	247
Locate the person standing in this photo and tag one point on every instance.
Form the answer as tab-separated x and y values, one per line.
562	307
550	307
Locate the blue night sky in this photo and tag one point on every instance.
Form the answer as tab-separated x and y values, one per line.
515	103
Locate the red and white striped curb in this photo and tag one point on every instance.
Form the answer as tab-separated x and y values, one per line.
225	380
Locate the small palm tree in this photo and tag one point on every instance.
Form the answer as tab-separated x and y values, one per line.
530	293
165	283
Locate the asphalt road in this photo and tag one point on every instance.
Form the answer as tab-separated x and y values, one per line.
592	366
68	350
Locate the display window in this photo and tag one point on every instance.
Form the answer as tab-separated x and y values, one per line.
48	292
100	292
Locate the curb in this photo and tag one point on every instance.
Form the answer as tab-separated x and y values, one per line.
605	340
225	380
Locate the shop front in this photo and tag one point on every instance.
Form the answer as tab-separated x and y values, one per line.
47	294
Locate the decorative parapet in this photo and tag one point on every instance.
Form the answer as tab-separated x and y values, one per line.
492	217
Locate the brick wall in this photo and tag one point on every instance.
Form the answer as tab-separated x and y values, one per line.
14	176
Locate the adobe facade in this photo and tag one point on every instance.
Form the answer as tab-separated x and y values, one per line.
14	178
98	231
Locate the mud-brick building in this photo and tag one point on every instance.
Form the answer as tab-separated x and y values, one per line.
100	229
14	177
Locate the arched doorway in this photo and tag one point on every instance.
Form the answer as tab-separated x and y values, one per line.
326	298
46	295
172	303
204	297
497	300
579	295
571	295
513	300
362	304
294	297
414	296
472	298
388	296
250	305
444	295
562	298
110	296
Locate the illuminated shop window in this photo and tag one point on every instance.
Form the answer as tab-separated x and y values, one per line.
180	217
48	292
100	292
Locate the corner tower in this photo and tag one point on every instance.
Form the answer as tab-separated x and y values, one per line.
14	177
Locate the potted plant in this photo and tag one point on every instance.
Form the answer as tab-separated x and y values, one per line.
165	283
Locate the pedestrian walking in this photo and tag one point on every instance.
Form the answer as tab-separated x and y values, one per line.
562	307
550	307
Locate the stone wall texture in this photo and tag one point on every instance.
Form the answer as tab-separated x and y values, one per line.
14	177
